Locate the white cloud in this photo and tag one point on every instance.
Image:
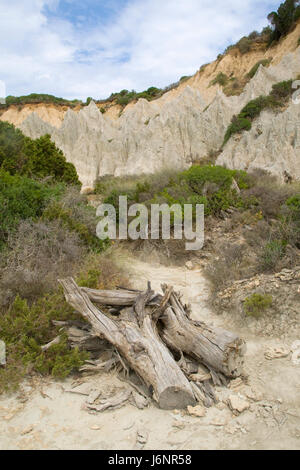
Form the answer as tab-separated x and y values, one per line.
149	42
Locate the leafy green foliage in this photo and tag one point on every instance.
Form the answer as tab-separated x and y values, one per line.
221	79
39	98
283	19
282	90
263	62
201	184
25	328
273	251
244	45
255	107
125	97
238	124
257	304
55	211
47	160
22	198
293	204
33	158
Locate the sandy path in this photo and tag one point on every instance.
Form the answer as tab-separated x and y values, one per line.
47	416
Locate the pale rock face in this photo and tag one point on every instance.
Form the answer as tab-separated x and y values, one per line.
172	133
272	144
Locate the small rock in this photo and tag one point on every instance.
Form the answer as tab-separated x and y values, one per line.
221	406
238	404
197	410
276	353
236	384
141	438
95	427
232	428
219	421
129	426
252	394
189	265
178	424
26	430
140	401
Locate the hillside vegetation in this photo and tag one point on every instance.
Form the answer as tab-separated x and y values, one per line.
47	231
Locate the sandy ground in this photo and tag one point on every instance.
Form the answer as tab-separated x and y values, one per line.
51	415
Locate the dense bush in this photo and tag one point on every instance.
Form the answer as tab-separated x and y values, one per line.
201	184
22	198
124	97
33	158
27	324
39	98
36	255
244	45
283	19
257	304
238	124
221	79
86	230
282	90
47	160
256	106
25	328
229	263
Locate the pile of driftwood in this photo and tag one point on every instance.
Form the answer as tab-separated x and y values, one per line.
178	359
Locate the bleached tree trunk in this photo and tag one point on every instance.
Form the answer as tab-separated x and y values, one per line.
134	334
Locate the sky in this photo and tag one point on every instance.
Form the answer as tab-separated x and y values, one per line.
80	48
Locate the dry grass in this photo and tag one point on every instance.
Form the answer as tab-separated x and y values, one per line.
230	262
36	255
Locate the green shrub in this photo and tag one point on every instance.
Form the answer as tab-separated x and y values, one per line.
282	90
244	45
36	255
22	198
293	203
209	185
256	106
221	79
197	176
25	329
55	211
13	157
47	160
264	62
33	158
272	253
238	124
40	98
257	304
283	19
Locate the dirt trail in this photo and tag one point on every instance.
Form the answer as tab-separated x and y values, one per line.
46	415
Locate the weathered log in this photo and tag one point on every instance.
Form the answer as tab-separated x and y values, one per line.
215	347
120	298
138	341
